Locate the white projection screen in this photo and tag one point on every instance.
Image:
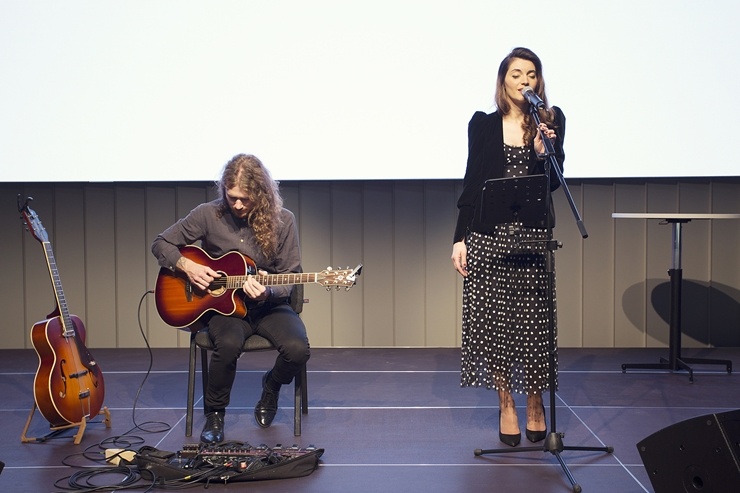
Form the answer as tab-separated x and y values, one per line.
169	90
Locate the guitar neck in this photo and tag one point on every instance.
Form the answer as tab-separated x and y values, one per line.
235	282
67	325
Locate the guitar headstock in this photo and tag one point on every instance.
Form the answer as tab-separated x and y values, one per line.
32	220
336	278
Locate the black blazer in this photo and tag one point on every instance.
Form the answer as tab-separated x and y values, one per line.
486	160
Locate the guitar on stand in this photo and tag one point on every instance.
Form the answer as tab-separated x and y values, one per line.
68	386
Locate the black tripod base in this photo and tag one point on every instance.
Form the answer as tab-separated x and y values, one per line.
678	364
553	444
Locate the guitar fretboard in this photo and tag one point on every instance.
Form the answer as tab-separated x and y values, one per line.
235	282
67	325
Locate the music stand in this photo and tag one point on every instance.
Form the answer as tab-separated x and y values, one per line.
528	198
519	199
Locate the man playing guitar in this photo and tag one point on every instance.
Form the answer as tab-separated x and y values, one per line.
248	217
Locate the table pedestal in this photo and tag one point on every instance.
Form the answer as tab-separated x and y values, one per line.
675	361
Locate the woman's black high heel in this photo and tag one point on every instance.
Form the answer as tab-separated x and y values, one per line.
537	436
510	440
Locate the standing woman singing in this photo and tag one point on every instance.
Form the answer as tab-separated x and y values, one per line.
505	311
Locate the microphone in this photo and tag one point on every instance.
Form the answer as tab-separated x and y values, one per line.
533	98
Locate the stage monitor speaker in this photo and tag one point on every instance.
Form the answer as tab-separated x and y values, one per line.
701	454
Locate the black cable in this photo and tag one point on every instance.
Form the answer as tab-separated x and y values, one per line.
128	474
127	441
82	480
166	426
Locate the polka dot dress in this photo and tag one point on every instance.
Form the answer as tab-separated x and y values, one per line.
505	314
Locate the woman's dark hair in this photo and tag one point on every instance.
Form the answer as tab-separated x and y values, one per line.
502	101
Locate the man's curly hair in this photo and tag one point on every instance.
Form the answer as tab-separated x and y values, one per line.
247	173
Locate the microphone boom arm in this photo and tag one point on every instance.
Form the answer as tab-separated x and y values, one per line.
552	163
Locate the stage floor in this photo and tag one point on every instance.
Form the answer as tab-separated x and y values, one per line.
391	419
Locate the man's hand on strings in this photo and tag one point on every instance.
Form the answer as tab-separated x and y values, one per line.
200	275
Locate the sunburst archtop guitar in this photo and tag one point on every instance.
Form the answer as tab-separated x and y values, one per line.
68	386
180	304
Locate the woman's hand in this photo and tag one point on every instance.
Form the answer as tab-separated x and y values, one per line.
539	145
460	258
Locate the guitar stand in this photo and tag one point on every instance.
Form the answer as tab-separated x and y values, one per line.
55	430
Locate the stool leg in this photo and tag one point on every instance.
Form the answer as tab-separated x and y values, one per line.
304	389
298	394
204	375
191	391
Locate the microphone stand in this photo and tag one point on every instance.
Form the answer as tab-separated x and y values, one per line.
554	440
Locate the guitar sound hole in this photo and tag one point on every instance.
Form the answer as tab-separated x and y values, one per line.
218	285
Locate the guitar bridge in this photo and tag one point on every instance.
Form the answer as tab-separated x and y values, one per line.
78	374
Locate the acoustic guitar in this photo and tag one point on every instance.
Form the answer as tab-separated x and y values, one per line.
68	386
180	303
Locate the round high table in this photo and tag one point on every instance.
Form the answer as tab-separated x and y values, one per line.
675	361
